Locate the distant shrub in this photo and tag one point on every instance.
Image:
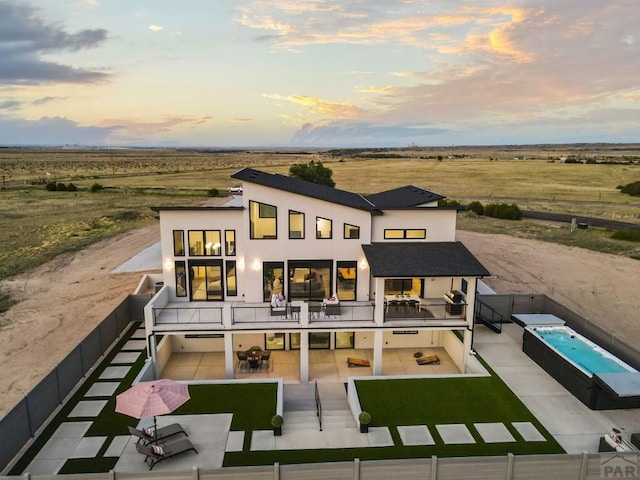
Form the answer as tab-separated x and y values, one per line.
213	192
61	187
572	160
476	206
446	202
50	186
96	187
627	234
632	189
503	210
72	188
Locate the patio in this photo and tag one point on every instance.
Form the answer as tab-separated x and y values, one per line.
325	366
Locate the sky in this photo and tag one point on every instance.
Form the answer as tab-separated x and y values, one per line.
318	73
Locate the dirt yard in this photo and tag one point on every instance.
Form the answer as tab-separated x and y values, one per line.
63	300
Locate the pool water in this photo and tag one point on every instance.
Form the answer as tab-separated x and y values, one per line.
582	353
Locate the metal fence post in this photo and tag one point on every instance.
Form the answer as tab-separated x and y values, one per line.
276	471
356	469
196	473
583	466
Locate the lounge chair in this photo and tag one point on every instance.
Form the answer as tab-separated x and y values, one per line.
147	436
157	453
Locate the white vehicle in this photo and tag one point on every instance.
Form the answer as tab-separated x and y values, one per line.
235	189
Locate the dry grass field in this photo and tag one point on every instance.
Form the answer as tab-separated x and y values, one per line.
36	225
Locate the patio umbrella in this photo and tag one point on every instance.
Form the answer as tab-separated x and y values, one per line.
148	399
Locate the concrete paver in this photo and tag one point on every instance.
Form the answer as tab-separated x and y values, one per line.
235	442
135	345
88	447
125	357
415	435
455	434
117	446
380	437
112	373
102	389
88	408
494	432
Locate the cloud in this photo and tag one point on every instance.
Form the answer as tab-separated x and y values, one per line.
50	131
130	130
316	105
156	28
357	134
9	104
43	100
25	38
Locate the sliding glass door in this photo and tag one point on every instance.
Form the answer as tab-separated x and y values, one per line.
206	280
310	280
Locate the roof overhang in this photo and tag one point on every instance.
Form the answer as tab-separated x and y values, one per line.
422	259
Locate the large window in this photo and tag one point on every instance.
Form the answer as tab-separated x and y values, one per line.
344	340
405	234
274	341
181	279
310	280
273	279
262	220
206	279
205	243
296	224
319	340
347	280
404	286
232	278
323	227
230	242
178	243
351	231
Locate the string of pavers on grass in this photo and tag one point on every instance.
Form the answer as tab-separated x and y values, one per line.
69	440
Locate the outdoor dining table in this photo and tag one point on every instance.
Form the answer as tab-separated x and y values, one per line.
403	298
254	355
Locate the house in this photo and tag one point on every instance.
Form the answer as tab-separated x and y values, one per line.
293	265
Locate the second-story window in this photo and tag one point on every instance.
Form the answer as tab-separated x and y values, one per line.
405	234
296	224
323	227
204	243
230	242
351	231
178	243
262	220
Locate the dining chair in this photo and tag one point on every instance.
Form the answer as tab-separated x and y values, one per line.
266	358
242	358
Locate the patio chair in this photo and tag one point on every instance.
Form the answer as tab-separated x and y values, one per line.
278	312
332	309
157	453
147	436
266	358
242	358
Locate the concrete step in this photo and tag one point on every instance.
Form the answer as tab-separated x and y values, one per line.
337	419
299	397
300	420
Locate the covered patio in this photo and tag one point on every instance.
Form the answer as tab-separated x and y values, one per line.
325	366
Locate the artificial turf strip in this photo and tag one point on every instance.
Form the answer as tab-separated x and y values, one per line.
88	465
71	403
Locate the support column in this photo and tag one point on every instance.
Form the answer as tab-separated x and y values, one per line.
152	343
378	315
304	357
377	352
229	358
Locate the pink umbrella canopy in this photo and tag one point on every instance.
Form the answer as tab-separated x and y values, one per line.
148	399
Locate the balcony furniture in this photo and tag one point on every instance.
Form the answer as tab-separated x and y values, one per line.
278	312
315	309
454	302
294	311
254	355
148	435
428	360
266	358
332	309
242	359
157	453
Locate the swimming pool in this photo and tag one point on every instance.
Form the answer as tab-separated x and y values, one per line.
581	351
595	376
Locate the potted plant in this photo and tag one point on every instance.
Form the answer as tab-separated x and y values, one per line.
276	423
365	420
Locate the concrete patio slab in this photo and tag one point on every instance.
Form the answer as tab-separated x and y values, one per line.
528	431
263	440
207	433
494	432
88	447
88	408
44	466
117	446
415	435
138	345
111	373
455	434
139	334
71	429
125	357
102	389
380	437
235	442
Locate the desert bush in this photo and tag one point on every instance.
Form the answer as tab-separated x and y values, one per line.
447	202
61	187
50	187
632	189
503	210
476	206
627	234
72	188
96	187
213	192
